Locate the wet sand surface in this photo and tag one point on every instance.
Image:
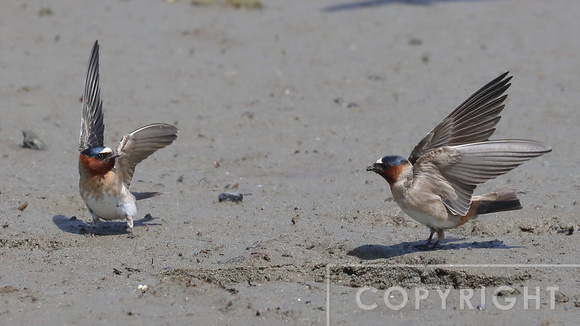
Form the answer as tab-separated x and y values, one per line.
287	104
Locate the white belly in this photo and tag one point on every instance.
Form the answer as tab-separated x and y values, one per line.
438	222
112	208
425	208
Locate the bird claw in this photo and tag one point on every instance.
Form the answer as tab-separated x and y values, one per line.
428	246
92	232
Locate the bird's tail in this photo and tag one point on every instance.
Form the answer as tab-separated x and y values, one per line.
501	201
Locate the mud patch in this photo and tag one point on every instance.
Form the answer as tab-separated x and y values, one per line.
380	277
31	243
10	293
248	275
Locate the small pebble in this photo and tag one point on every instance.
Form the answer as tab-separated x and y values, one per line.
415	41
254	247
231	196
32	141
22	207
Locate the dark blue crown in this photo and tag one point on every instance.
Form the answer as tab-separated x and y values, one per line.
92	151
393	160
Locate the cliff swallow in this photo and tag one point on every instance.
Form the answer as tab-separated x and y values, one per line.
105	176
435	184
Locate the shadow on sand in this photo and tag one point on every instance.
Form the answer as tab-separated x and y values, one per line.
375	3
371	252
76	226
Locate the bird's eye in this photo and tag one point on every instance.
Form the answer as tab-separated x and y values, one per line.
100	156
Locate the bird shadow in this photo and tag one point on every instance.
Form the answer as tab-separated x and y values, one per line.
375	3
374	251
76	226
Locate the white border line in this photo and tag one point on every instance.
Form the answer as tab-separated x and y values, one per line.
329	266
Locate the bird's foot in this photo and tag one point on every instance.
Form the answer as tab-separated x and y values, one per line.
92	232
428	245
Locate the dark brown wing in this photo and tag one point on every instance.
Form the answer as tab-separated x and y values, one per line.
139	144
473	121
453	172
92	125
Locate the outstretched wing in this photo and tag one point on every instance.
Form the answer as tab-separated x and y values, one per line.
453	172
473	121
139	144
92	125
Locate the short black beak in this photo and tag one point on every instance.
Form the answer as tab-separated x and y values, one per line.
371	168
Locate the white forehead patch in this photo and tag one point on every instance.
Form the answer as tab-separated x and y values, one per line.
106	150
380	161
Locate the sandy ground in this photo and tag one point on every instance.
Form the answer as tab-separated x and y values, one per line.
288	103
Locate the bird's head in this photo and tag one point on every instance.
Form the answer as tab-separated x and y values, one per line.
389	167
97	160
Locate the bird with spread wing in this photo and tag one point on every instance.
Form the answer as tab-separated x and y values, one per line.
105	176
435	184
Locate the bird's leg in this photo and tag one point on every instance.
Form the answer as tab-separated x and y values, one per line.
426	245
440	236
96	221
130	225
431	235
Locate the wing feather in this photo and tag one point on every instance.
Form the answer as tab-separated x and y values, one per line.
92	124
139	144
472	121
461	168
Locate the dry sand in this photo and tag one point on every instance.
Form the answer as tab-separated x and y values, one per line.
289	103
